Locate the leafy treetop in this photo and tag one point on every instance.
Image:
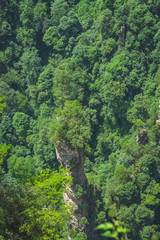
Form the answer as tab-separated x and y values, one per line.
72	125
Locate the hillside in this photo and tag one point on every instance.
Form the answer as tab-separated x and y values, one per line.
87	73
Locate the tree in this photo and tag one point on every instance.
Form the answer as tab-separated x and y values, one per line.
45	214
70	84
3	148
72	125
30	65
59	8
21	124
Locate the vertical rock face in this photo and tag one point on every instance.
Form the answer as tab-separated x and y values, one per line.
158	121
76	194
142	137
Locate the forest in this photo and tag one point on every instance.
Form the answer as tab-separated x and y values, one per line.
85	73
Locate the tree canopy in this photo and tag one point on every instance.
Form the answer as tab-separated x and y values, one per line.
85	73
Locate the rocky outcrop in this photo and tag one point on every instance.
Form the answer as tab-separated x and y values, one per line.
76	194
158	121
142	137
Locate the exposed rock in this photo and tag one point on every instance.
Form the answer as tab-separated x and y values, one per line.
76	196
142	137
158	121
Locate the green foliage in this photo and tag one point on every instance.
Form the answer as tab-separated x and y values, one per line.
84	13
30	65
40	14
113	230
46	217
59	8
81	236
78	191
2	105
140	109
12	204
72	125
51	37
70	83
88	72
3	148
21	167
123	174
21	124
35	210
3	152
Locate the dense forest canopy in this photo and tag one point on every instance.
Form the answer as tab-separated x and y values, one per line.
86	72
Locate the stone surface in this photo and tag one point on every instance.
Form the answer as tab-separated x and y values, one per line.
142	137
74	159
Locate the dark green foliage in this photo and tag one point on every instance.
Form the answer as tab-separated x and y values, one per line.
21	125
87	73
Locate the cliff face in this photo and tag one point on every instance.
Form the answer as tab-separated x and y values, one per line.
158	120
76	194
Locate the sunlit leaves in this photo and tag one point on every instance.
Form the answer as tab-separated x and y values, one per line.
46	215
113	230
72	125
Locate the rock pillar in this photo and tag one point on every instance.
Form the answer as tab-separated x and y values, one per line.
76	194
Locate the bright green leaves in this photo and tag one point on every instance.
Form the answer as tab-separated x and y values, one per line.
113	230
133	187
2	105
136	18
3	152
51	36
151	198
52	184
45	214
72	125
3	148
36	209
